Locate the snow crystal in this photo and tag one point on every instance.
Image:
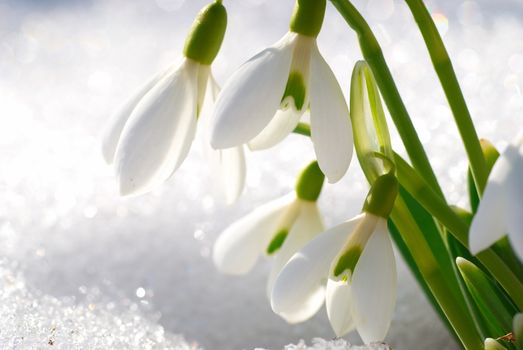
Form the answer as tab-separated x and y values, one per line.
32	320
337	344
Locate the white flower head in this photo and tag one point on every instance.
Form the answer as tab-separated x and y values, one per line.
265	98
149	137
279	229
350	267
362	296
500	210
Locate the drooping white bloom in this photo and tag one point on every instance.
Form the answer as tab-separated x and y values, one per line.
280	228
500	211
264	100
149	137
360	296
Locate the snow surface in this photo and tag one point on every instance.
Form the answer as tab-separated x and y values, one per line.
86	269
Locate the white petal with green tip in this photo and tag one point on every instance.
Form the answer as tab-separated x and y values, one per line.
283	123
252	95
299	289
307	225
237	249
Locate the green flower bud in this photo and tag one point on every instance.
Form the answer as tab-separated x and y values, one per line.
307	17
310	182
206	34
382	196
371	134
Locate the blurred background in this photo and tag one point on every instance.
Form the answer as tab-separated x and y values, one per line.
82	268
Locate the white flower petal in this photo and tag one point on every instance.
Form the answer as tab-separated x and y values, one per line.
338	302
231	172
214	88
238	247
204	82
490	221
158	135
251	96
227	165
204	118
113	130
514	195
283	123
298	291
308	224
374	286
331	131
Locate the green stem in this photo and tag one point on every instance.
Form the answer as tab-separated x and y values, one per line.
436	206
449	82
302	129
373	55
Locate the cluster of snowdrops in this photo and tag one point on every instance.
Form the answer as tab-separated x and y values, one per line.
469	269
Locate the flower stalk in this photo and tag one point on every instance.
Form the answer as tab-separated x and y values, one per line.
449	82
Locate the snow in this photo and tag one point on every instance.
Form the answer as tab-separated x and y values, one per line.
129	273
337	344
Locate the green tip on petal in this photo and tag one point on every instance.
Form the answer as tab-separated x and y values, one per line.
382	196
310	182
296	89
206	34
307	17
277	241
348	260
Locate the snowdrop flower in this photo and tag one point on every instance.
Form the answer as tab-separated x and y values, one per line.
149	137
500	210
351	267
279	228
264	100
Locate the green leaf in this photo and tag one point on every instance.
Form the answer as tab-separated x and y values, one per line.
496	309
432	235
407	257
